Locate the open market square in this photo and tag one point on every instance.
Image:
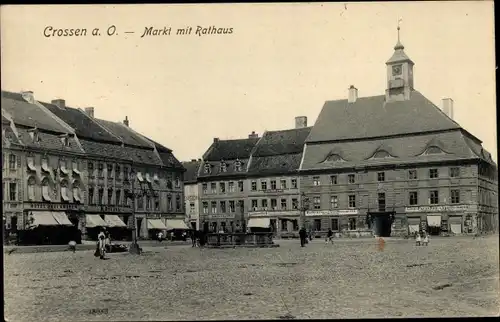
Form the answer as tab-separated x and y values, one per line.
351	278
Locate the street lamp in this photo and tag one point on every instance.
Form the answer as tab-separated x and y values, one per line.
134	247
304	206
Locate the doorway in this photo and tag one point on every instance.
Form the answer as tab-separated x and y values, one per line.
193	225
381	224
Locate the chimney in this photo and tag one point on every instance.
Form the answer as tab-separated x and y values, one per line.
353	94
28	96
59	103
89	111
193	160
448	107
216	140
125	121
253	135
300	122
199	160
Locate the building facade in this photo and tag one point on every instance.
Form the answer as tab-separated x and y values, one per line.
89	170
395	164
191	193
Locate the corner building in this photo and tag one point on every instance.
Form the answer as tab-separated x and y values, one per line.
396	163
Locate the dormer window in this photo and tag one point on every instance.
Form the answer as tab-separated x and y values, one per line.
223	167
237	165
207	168
65	140
34	135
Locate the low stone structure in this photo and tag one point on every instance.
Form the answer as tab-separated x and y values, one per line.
232	240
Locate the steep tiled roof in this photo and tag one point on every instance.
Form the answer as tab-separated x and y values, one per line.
281	142
169	160
191	173
9	135
29	115
85	126
142	155
275	165
104	149
371	117
48	141
125	134
230	149
403	150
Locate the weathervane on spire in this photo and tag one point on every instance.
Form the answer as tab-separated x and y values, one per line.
399	46
399	28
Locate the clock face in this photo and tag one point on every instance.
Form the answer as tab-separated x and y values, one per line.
396	70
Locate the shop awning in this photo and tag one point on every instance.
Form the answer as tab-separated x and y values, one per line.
61	218
176	224
114	221
455	220
456	228
156	224
413	220
259	223
413	228
42	218
434	221
94	221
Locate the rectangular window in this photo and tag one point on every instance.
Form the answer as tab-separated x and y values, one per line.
12	161
214	207
333	179
232	206
316	181
351	178
100	199
412	174
381	176
413	198
263	185
204	188
317	224
352	201
352	223
140	202
434	197
240	186
157	203
100	170
241	204
148	202
12	191
192	209
110	196
254	185
231	186
274	204
283	184
254	204
433	173
381	201
334	202
222	186
455	196
295	204
205	207
273	184
213	187
455	172
264	203
294	183
91	196
335	224
177	181
223	206
283	204
317	202
110	170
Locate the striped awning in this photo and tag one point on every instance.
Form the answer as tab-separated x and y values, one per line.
94	221
434	221
259	223
61	218
156	224
176	224
114	221
42	218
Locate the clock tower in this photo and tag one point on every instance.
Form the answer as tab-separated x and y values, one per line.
399	75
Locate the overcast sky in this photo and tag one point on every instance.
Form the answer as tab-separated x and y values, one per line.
280	61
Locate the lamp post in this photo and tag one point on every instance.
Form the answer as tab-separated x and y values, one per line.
304	206
134	247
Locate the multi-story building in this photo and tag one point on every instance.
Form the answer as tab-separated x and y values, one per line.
396	162
191	193
93	167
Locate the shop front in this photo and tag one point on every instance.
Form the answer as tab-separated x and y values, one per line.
343	222
438	220
224	223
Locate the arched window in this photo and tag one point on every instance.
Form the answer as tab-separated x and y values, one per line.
237	165
223	166
433	150
76	191
333	158
64	190
31	188
46	190
207	167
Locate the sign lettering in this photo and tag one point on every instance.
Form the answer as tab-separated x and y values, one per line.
441	208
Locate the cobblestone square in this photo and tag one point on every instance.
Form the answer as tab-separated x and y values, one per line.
350	279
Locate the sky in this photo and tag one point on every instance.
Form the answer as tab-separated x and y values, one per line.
279	62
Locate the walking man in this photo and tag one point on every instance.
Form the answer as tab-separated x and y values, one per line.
329	236
193	238
302	235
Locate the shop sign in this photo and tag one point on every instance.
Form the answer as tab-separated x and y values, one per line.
53	206
221	216
257	214
317	213
153	216
348	212
108	209
441	208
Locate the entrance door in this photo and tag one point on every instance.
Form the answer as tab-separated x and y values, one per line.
382	225
193	225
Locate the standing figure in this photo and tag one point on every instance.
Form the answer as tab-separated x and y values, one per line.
193	238
329	236
101	245
160	237
425	241
303	236
418	239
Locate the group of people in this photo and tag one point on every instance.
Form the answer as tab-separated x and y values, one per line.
421	238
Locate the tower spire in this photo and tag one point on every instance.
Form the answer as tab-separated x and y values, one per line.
399	45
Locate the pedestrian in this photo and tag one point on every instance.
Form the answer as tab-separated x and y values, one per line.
303	236
193	238
425	242
101	245
160	237
72	245
107	240
418	239
329	236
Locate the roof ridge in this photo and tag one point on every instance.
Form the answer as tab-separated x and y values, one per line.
55	117
289	130
95	120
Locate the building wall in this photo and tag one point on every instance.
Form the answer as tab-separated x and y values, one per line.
12	200
191	199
